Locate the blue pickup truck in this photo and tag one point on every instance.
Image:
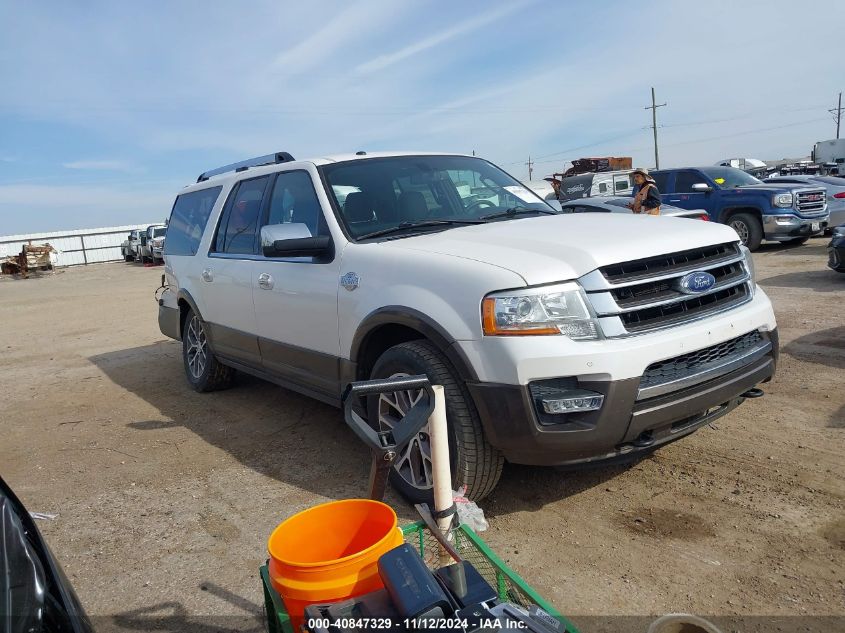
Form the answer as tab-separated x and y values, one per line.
755	210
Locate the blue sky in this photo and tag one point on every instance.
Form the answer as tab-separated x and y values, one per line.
107	109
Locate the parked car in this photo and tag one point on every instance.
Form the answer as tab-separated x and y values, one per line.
145	247
543	188
559	338
836	250
755	210
615	204
37	595
129	247
833	185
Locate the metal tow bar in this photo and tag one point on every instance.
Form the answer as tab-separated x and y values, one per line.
387	444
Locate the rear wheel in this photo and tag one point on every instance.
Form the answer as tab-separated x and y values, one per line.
202	369
748	228
475	463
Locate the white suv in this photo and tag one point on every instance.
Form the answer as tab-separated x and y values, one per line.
559	338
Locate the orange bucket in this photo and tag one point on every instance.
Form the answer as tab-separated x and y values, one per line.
330	552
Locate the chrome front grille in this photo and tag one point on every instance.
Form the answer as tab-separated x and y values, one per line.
645	294
701	365
811	202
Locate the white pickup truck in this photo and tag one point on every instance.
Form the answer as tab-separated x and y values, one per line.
559	338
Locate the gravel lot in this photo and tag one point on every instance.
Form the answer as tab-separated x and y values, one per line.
165	497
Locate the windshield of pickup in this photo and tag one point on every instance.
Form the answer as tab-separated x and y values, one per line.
160	232
730	177
377	194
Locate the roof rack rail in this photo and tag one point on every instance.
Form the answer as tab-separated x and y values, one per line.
269	159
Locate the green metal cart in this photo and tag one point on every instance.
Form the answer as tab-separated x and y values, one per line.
507	583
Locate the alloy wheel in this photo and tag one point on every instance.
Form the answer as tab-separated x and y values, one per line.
414	462
197	351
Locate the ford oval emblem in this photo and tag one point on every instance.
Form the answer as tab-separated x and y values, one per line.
697	282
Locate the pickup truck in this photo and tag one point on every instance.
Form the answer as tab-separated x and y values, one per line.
755	210
129	247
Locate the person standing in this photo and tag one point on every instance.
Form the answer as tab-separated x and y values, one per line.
647	198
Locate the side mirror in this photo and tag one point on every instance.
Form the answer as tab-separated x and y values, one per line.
702	187
293	240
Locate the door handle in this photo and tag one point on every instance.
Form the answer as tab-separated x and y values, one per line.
265	281
678	200
206	275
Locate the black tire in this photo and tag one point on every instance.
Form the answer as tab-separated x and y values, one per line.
475	463
748	228
798	241
202	369
128	258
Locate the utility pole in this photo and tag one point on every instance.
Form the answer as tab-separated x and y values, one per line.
530	168
653	107
837	114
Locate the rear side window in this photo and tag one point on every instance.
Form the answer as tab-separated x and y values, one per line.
188	219
239	224
660	179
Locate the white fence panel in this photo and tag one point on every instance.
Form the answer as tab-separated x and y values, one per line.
84	246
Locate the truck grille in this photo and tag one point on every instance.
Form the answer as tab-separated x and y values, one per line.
811	202
702	365
645	294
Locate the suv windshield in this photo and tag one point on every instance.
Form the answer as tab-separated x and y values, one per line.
378	194
160	232
730	177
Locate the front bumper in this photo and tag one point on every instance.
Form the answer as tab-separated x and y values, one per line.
623	426
157	253
787	226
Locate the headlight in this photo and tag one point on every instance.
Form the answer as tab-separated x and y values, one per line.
556	309
749	264
782	200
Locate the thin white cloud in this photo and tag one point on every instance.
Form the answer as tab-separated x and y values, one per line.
101	165
346	27
383	61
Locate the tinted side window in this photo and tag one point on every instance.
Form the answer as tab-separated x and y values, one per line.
660	179
684	181
239	224
294	201
188	219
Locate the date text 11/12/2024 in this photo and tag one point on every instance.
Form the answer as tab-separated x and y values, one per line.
422	624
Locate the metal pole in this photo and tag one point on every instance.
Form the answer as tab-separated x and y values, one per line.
440	465
84	255
654	127
838	114
653	107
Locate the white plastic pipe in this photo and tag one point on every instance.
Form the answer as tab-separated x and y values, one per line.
441	469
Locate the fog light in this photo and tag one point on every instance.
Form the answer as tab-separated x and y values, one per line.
577	400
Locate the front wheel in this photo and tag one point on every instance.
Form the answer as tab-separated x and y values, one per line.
475	463
202	369
748	228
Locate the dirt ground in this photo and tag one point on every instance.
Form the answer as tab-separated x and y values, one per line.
165	497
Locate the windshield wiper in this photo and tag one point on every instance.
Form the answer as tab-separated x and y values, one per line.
407	226
515	211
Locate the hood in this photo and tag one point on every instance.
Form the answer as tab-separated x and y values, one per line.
776	187
549	249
